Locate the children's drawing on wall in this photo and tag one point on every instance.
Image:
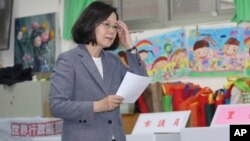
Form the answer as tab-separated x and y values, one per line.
216	51
246	36
164	55
35	42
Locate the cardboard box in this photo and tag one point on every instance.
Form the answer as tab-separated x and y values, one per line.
140	137
167	137
53	138
146	137
217	133
129	121
154	137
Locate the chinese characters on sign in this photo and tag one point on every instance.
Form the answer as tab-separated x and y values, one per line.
161	122
24	129
232	114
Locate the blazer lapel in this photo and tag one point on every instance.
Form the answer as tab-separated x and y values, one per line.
89	65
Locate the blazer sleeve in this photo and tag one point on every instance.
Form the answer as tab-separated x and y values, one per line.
135	64
61	93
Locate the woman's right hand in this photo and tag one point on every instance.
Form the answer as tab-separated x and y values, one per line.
108	103
124	35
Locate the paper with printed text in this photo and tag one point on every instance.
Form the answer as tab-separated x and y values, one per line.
133	86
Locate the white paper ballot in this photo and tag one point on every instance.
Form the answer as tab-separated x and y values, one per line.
132	87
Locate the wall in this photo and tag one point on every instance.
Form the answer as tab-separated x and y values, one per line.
24	8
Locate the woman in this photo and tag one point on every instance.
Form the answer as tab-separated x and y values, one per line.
85	79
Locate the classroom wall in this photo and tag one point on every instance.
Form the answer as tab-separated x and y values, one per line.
23	8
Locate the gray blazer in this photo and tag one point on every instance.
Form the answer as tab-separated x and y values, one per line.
76	83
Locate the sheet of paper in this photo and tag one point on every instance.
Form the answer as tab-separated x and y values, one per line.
132	87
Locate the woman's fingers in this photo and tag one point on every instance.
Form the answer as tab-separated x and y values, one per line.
124	35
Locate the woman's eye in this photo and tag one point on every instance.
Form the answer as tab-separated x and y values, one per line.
106	24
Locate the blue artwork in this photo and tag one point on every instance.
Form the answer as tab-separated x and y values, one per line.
35	42
164	55
216	51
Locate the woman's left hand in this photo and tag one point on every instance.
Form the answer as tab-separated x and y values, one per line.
124	35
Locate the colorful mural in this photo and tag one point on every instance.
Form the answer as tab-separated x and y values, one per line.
246	36
208	51
164	55
216	51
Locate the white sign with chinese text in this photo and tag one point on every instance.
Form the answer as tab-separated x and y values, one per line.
20	129
164	122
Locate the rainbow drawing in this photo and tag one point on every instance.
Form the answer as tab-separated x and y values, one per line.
143	43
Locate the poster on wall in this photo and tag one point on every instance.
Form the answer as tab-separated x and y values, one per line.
246	36
216	51
164	55
35	43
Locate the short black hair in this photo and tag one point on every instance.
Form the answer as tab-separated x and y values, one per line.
83	31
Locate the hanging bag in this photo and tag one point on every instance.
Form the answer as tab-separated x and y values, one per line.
243	84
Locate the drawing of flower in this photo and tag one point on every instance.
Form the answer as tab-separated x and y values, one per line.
35	44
